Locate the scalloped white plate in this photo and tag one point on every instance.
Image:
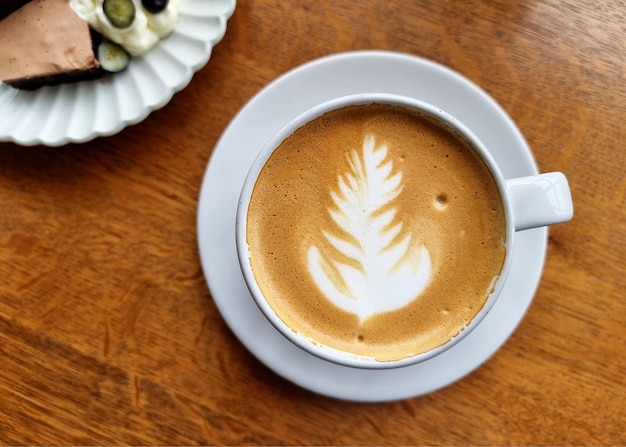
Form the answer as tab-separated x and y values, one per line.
79	112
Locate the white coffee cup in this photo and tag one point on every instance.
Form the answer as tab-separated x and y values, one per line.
527	202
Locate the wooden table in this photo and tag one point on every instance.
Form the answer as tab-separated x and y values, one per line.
108	331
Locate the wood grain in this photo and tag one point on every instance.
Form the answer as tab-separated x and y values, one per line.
109	335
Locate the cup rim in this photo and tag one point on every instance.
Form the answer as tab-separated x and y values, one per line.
243	254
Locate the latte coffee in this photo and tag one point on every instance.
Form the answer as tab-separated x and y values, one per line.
376	230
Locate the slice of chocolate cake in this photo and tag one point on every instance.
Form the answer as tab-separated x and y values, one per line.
46	43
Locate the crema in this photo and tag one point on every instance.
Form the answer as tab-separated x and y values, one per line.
376	230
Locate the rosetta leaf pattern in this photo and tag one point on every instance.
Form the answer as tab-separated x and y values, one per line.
367	264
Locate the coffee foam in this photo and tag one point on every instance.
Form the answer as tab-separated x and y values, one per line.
429	207
385	271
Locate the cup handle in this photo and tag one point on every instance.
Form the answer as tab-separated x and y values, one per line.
540	200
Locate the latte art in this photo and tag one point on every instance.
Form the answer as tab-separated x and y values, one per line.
384	269
375	231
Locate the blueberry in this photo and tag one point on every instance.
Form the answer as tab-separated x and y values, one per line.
120	13
154	6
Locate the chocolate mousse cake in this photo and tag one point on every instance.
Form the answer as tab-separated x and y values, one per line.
45	42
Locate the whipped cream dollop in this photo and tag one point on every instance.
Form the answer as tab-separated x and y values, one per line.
145	31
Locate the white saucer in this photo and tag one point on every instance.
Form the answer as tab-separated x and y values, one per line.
266	113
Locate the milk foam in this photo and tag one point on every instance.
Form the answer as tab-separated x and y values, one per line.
415	195
386	270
